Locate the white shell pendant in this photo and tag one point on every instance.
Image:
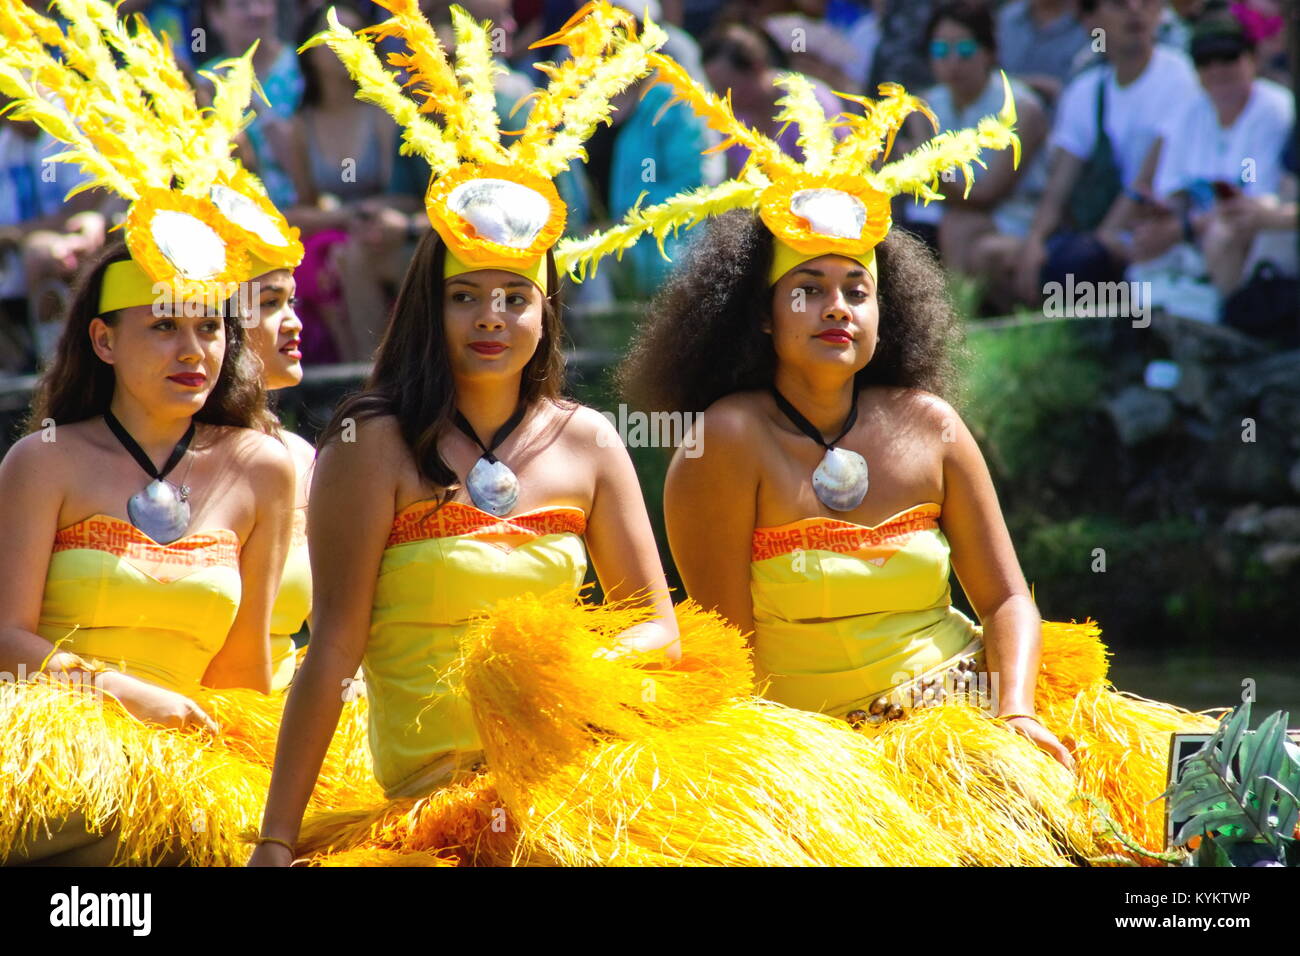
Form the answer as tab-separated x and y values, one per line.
500	210
493	487
830	212
840	481
159	511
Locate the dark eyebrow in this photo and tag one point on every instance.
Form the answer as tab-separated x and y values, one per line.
851	274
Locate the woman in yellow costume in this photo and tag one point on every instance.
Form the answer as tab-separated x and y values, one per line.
149	509
274	330
836	488
459	482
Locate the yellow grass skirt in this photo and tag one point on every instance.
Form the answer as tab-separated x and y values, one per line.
165	796
637	761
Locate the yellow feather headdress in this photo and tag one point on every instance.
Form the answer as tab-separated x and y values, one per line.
198	221
832	202
494	205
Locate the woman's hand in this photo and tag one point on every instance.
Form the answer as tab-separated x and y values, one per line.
271	854
155	705
643	638
1042	738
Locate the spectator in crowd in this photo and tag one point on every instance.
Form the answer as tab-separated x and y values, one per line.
43	241
341	162
1038	41
901	55
238	23
744	60
978	233
1106	122
1218	169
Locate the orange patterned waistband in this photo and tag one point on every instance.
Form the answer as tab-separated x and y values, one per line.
204	549
844	537
424	520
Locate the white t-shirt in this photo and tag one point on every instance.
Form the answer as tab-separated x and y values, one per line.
1135	114
1248	153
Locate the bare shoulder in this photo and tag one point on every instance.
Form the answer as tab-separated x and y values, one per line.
302	450
914	405
264	457
36	456
581	424
733	420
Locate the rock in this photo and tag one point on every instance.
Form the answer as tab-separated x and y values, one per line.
1140	414
1281	523
1247	519
1280	556
1280	409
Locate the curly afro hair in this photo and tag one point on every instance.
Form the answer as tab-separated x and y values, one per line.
702	336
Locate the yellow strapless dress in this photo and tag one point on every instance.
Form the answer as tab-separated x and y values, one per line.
441	568
158	612
292	605
845	616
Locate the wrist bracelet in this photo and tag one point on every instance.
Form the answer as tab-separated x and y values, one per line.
284	843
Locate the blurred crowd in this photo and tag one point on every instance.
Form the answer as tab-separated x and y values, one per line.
1158	146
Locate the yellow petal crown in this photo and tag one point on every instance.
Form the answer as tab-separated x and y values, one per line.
113	93
835	201
450	119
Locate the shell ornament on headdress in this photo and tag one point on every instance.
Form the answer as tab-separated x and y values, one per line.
198	221
835	201
494	205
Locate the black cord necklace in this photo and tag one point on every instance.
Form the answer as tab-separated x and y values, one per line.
492	486
161	510
840	479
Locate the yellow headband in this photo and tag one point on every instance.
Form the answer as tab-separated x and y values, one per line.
785	258
125	285
535	270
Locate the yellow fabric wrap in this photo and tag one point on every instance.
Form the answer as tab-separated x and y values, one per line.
77	761
785	258
844	615
292	604
125	284
422	734
100	605
535	270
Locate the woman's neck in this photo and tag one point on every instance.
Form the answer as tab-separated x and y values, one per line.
963	98
156	435
487	405
825	402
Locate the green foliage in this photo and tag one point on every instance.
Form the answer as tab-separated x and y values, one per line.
1029	387
1239	793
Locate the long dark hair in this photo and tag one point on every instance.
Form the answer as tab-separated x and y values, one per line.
412	380
316	21
702	337
78	384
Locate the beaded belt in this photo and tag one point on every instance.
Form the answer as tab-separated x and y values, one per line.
960	677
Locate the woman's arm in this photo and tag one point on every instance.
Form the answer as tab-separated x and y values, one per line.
349	518
622	543
986	566
29	517
710	507
245	658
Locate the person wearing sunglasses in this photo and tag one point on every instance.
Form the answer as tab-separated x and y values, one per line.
976	233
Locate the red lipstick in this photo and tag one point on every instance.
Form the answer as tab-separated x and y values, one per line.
189	379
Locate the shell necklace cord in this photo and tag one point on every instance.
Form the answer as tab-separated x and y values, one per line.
492	486
161	510
840	480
